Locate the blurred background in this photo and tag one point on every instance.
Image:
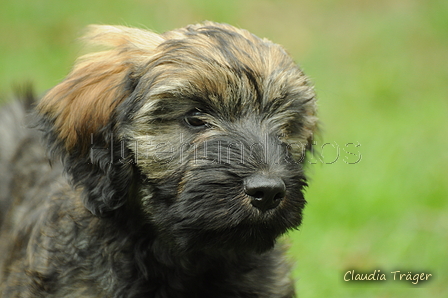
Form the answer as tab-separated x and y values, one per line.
378	194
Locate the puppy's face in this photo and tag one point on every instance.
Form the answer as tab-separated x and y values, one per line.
203	128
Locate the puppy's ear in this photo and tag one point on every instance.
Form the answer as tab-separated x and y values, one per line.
78	115
85	101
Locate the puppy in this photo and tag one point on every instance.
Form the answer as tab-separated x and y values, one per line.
183	160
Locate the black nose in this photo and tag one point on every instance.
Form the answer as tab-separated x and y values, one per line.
266	192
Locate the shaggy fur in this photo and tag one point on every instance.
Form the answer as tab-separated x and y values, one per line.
165	141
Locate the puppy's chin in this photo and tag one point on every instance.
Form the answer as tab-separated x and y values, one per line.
240	240
255	232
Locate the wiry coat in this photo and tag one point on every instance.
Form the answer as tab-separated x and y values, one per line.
157	136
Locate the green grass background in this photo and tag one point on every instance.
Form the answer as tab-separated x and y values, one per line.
380	68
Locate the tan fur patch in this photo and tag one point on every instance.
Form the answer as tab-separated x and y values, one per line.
85	100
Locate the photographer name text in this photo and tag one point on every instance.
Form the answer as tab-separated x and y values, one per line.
378	276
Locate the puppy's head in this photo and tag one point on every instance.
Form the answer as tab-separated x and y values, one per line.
204	128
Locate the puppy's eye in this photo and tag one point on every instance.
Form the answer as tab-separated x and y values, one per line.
196	119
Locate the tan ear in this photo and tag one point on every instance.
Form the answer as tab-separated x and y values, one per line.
84	102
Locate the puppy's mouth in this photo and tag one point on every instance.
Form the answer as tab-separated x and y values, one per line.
218	224
253	234
226	208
